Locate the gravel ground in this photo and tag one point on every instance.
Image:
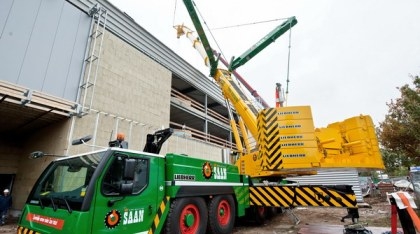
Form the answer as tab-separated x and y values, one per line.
375	216
378	215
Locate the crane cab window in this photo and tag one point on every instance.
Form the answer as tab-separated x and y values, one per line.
114	177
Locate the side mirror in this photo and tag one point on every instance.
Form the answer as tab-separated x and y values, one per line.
74	168
129	169
128	176
126	189
36	154
81	140
40	154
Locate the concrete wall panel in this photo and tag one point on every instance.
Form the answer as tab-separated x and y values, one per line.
43	45
131	85
62	76
4	13
193	148
51	140
9	155
15	37
39	48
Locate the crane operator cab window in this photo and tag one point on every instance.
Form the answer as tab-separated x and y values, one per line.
116	181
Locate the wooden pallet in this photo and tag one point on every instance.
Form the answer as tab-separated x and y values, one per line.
385	188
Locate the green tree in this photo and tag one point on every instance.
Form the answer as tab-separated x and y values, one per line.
399	133
395	164
391	161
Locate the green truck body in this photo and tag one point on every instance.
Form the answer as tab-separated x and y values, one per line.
95	193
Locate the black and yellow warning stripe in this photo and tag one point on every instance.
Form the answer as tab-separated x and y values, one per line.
158	218
269	139
286	139
24	230
309	195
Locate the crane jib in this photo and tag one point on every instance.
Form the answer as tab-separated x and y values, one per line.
263	43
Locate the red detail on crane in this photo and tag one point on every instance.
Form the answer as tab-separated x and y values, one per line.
253	92
279	99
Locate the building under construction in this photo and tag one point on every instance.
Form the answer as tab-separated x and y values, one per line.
72	68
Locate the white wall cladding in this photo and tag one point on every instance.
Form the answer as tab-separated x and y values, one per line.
333	177
42	45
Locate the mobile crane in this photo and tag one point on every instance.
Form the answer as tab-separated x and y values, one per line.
118	190
288	143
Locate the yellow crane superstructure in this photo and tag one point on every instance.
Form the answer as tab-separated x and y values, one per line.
287	141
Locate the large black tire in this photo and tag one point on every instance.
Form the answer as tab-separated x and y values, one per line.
259	214
187	216
271	212
222	212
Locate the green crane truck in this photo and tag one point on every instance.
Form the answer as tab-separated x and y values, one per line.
117	190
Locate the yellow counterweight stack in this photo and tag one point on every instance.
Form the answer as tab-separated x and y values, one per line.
354	143
288	143
286	140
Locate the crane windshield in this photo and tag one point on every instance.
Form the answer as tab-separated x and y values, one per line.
64	184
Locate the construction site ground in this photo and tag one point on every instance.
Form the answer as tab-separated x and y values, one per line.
313	220
320	220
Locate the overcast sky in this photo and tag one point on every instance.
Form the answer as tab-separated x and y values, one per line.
346	58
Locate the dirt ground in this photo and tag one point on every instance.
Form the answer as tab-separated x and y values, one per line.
377	215
10	227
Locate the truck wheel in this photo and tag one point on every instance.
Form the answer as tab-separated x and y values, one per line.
221	215
187	216
259	214
271	212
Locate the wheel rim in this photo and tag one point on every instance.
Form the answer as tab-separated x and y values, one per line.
189	219
223	212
